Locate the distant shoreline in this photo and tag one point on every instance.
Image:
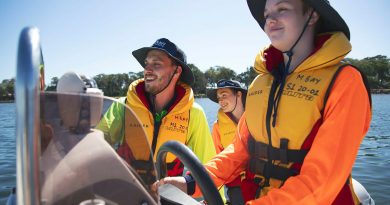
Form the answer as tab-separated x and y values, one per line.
373	91
380	91
7	101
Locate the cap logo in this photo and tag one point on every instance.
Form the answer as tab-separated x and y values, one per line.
225	83
160	44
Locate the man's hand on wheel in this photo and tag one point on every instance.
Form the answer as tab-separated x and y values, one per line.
178	182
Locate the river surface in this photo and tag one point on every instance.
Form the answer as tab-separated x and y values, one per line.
371	168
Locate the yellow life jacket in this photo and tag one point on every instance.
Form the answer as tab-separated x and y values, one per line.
299	113
299	110
286	150
227	128
174	126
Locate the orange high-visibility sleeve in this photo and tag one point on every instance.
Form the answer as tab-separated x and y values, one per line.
227	165
330	160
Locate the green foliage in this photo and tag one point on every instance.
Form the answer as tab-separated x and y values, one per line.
7	90
377	70
247	77
53	84
216	73
2	91
135	76
211	76
200	80
113	84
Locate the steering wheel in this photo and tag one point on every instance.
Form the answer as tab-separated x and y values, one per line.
192	163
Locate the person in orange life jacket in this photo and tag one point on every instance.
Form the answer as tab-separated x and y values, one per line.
306	112
164	102
231	96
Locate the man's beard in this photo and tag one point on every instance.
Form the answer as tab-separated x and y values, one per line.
158	85
155	87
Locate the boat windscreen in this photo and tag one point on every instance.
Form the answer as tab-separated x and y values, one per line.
93	149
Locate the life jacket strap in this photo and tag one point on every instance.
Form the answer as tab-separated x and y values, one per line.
285	155
283	151
243	175
268	170
175	168
261	182
145	169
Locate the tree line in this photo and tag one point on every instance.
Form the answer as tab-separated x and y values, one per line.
117	84
377	70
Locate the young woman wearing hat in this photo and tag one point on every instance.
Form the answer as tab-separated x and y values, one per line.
306	113
231	96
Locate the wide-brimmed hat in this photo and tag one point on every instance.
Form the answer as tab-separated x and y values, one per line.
233	84
173	51
331	20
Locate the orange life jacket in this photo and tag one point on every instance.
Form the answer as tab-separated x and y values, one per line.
299	117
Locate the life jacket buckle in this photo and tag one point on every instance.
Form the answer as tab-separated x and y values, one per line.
259	179
283	150
242	175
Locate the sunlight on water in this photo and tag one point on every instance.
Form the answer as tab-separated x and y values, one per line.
371	166
7	150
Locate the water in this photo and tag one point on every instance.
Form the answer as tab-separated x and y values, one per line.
373	160
7	150
371	166
372	163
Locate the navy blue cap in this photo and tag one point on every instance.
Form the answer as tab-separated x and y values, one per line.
173	51
233	84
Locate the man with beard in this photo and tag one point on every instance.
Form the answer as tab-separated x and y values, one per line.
164	103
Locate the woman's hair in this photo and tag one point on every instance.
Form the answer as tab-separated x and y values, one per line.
306	8
243	97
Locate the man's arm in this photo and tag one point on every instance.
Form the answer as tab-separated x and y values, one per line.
199	139
112	121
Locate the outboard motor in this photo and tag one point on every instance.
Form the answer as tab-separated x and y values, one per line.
81	114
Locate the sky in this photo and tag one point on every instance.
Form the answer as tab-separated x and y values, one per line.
94	37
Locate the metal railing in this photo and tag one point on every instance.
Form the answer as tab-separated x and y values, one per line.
29	61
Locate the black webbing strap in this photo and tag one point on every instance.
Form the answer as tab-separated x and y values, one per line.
285	155
261	167
145	170
364	78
